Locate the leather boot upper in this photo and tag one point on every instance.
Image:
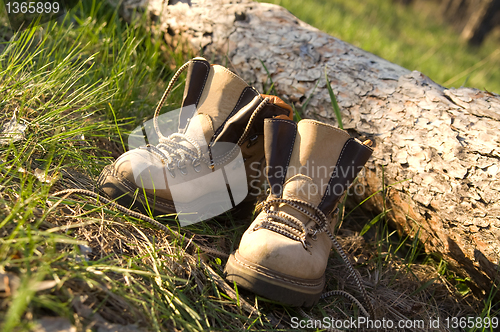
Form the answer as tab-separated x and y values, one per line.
310	162
220	125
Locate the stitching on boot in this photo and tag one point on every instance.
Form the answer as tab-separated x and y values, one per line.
105	172
209	122
316	123
230	72
204	81
131	188
273	276
224	158
291	149
239	101
336	167
293	124
234	109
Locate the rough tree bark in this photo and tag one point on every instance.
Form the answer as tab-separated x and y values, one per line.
444	142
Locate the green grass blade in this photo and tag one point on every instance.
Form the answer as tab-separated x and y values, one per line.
335	105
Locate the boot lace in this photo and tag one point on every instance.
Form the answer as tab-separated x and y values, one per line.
175	154
170	150
291	227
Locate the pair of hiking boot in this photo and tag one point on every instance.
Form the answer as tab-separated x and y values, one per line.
223	125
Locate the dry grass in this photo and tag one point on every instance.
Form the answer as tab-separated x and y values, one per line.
399	291
102	270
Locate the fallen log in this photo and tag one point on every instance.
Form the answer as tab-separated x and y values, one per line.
443	144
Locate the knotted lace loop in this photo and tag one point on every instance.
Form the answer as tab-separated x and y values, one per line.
285	224
290	226
169	149
174	154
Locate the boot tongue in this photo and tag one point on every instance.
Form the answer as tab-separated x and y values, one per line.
301	187
315	151
222	93
199	129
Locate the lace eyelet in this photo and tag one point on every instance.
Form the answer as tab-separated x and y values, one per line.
171	170
182	168
196	165
306	246
314	236
252	140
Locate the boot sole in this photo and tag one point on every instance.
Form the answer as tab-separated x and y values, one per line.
295	292
115	189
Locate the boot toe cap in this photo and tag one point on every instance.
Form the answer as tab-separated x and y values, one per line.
134	169
281	254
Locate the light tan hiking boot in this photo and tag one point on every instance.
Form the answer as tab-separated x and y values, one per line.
283	254
197	171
